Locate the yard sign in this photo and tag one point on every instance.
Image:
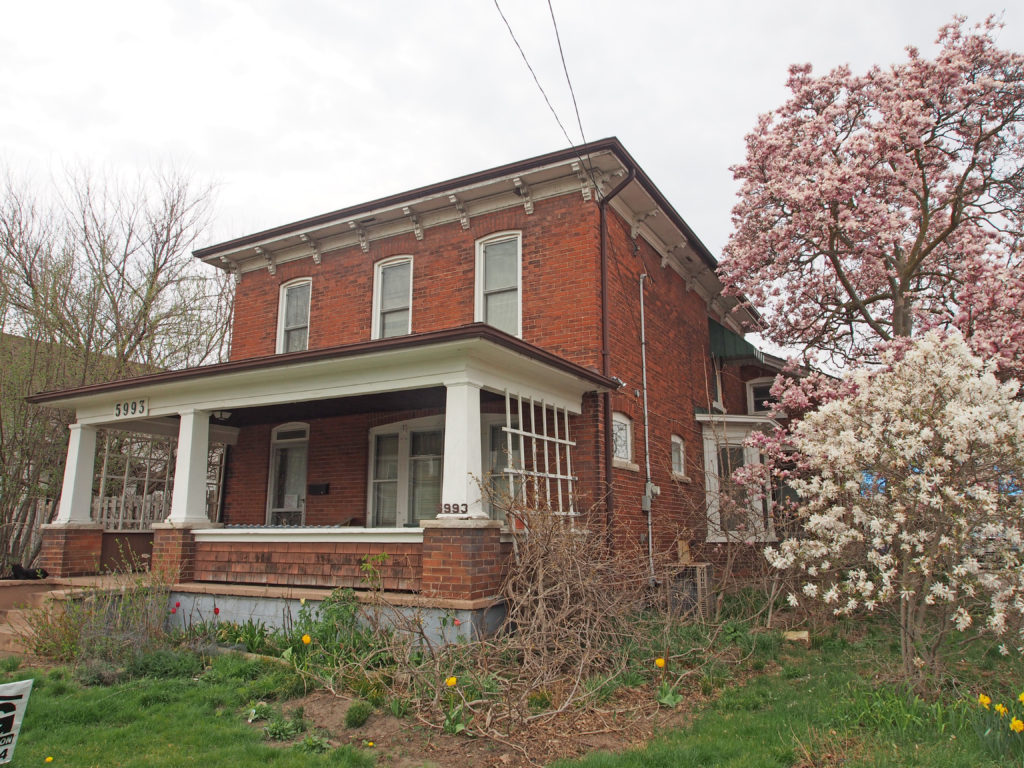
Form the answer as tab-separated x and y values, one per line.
13	701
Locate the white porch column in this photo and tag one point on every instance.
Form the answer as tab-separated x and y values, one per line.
76	496
188	502
463	468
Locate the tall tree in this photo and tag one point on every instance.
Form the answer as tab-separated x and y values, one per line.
96	282
875	206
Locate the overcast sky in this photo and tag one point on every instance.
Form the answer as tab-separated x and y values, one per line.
297	108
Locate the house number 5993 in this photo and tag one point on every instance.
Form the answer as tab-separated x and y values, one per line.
454	509
130	408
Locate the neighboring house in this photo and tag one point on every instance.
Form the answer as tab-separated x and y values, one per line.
400	367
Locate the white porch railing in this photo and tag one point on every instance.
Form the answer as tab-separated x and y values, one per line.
129	512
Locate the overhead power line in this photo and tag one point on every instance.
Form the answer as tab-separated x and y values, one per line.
565	69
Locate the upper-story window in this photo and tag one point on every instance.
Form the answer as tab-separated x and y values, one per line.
759	395
293	316
498	269
392	298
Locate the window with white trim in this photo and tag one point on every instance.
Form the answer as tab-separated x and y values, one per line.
734	513
406	460
622	438
293	316
678	449
392	297
286	490
715	385
498	273
759	395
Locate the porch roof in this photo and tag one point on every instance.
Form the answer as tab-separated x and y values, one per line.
474	353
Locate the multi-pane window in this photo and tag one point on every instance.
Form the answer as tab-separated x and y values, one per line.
622	437
392	300
405	477
759	395
498	272
293	317
734	513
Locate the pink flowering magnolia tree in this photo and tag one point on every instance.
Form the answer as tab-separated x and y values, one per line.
877	206
910	495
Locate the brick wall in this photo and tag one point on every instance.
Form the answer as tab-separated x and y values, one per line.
173	552
311	564
71	551
561	300
462	559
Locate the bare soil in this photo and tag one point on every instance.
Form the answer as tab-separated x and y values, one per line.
628	721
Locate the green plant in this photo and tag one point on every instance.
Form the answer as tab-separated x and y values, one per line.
9	664
164	663
259	711
314	744
398	707
358	713
667	696
283	729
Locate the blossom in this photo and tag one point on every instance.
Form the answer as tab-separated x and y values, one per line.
174	610
216	610
302	601
306	639
1021	698
452	681
1001	710
457	622
177	605
659	663
984	700
50	759
1016	725
369	743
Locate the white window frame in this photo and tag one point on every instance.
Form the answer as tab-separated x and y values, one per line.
720	431
678	473
481	244
488	421
378	283
716	373
752	407
275	442
282	305
623	462
404	430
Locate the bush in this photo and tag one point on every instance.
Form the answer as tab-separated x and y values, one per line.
358	713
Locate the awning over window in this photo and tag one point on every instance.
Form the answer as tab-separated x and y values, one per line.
727	345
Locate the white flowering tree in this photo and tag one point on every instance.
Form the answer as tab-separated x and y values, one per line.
911	499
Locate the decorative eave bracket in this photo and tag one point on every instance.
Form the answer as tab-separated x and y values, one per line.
463	216
313	247
361	234
265	255
417	228
524	192
640	219
585	186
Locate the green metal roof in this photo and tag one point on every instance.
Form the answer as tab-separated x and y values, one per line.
727	345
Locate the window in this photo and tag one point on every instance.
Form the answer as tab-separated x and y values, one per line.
498	267
759	395
293	316
406	460
286	493
622	441
679	458
392	298
715	385
733	513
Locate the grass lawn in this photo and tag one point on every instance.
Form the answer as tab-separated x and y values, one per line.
833	705
173	720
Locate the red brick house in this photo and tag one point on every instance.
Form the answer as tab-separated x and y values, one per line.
551	325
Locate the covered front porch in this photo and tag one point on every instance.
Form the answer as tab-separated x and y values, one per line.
374	464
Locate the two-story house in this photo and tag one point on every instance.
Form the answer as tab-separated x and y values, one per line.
550	331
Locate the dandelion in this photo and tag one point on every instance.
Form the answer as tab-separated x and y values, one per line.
1001	710
369	743
306	639
452	681
50	759
1016	725
1021	698
659	663
984	700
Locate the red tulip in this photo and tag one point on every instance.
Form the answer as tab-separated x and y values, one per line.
216	610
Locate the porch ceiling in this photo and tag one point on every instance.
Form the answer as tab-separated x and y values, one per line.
422	363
